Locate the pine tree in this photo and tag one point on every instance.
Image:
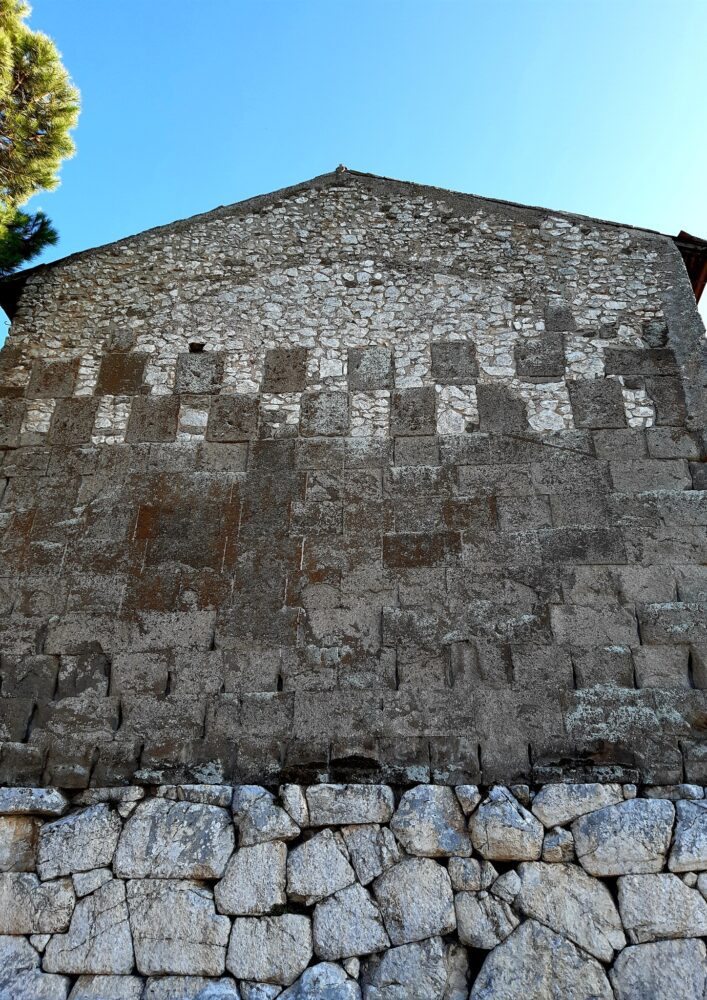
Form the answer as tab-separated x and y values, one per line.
38	108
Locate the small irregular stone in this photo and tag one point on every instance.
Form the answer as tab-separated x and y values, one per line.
372	850
346	805
191	988
78	842
483	921
662	970
295	804
416	900
32	801
207	795
558	847
107	988
428	970
689	851
674	792
21	977
86	882
506	886
270	949
503	830
317	869
323	982
254	881
469	797
560	804
535	963
660	906
98	940
631	838
259	991
28	906
429	823
259	818
470	875
348	924
18	843
164	839
568	901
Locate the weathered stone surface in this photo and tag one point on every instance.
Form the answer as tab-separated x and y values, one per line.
415	900
21	977
470	875
318	868
164	839
660	906
558	847
429	970
18	843
507	886
86	882
558	804
534	963
631	838
37	801
325	980
348	924
689	851
270	949
295	803
429	823
483	921
259	991
372	850
346	805
192	988
469	797
176	929
29	907
107	988
78	842
568	901
258	818
98	940
663	970
254	881
502	829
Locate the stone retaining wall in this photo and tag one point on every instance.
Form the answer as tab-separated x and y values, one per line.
354	891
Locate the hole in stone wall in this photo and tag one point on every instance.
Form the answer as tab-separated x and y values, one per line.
196	348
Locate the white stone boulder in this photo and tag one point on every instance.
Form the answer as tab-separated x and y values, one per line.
570	902
175	928
348	924
429	823
78	842
98	940
254	881
662	970
107	988
346	805
18	843
689	851
428	970
191	988
323	982
21	977
560	804
372	850
270	949
416	901
535	963
483	921
259	818
28	906
503	830
631	838
294	802
32	801
318	868
660	906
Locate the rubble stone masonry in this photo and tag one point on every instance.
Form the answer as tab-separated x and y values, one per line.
353	608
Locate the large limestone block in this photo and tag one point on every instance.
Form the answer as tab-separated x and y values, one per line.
660	906
270	949
483	921
348	924
559	804
98	940
20	975
534	963
164	839
346	805
28	906
429	823
107	988
663	970
254	881
627	839
416	901
689	853
318	868
428	970
259	818
78	842
176	930
503	830
191	988
325	981
567	900
372	850
32	801
18	843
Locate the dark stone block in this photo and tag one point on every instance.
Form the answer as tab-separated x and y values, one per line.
370	368
582	545
604	625
610	665
32	676
199	373
153	418
673	624
655	332
668	398
324	414
11	414
597	402
121	374
620	443
501	410
559	318
698	471
417	549
675	442
541	357
416	451
640	361
322	453
454	362
272	456
285	370
641	474
232	418
412	411
368	452
52	379
72	421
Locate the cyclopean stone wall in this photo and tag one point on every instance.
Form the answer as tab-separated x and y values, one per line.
354	891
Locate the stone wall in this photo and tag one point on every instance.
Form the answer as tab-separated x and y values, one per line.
354	891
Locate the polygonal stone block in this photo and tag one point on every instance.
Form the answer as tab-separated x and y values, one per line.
232	418
52	379
11	414
121	374
370	368
639	361
72	421
541	358
285	370
454	362
501	410
412	412
324	414
597	402
153	418
199	373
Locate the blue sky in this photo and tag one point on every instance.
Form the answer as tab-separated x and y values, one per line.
594	106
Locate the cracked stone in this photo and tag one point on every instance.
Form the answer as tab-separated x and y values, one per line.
98	940
662	970
347	805
429	970
107	988
258	817
20	975
631	838
689	851
318	868
18	843
348	924
560	804
416	901
295	803
469	797
270	949
254	881
372	850
503	830
86	882
470	875
28	906
482	920
78	842
429	822
660	906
